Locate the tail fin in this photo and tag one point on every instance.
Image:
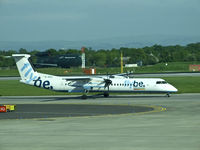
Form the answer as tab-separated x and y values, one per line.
25	68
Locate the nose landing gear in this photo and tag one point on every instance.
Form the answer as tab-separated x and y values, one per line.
168	95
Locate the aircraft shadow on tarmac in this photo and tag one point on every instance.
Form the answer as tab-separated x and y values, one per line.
91	97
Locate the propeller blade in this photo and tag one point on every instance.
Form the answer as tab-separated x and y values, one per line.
108	82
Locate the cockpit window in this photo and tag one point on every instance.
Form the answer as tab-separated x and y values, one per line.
161	82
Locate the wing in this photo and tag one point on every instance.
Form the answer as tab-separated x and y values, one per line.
88	83
76	81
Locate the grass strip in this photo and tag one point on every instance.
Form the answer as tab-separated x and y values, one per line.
15	88
157	68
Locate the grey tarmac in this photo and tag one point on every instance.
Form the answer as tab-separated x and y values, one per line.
10	78
45	111
176	128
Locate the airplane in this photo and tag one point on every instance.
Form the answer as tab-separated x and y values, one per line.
85	84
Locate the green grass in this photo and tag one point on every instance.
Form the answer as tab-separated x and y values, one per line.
10	72
185	84
162	67
15	88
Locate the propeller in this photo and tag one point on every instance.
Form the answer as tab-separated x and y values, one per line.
107	82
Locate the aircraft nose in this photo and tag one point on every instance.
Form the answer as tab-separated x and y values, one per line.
173	89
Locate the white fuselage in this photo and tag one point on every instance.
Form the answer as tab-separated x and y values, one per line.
119	84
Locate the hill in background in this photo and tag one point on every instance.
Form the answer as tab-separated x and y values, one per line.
109	43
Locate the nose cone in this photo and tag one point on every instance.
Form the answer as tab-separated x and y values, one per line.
173	89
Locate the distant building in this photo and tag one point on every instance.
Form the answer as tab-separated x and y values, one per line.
194	67
131	65
64	61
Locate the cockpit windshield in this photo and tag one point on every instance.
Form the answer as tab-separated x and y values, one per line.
161	82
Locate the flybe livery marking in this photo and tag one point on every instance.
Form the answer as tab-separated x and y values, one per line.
139	89
29	71
134	83
31	78
40	83
25	66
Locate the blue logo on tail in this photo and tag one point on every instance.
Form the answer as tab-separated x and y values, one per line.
29	72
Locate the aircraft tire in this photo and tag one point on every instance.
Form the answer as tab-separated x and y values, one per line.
168	95
106	94
84	96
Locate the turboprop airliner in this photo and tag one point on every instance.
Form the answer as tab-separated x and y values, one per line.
103	84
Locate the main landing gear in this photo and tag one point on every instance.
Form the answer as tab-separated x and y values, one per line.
84	96
106	94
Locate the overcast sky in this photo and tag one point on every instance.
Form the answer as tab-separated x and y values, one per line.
74	20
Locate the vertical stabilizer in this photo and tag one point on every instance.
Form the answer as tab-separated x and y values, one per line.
25	68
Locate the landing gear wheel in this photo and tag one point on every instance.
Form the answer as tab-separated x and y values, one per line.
106	94
168	94
84	96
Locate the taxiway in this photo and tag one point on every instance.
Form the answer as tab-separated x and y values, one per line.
176	128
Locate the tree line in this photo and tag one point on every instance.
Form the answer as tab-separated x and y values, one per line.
111	58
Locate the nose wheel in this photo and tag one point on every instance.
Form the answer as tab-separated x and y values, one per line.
168	95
